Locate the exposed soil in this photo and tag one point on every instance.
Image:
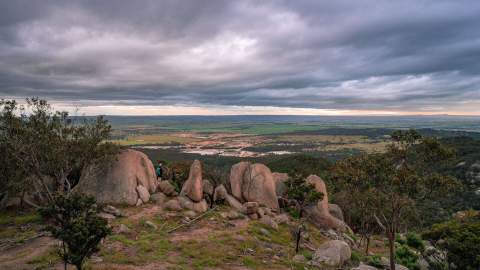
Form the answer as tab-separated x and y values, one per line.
19	257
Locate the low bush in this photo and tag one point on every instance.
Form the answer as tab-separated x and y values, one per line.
415	241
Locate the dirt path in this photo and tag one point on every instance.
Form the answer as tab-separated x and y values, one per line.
18	257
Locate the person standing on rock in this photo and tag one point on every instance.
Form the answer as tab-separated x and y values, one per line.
158	170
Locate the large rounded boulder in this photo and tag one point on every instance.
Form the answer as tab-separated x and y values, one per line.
258	185
116	182
332	253
253	183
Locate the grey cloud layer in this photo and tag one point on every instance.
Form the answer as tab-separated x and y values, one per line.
379	55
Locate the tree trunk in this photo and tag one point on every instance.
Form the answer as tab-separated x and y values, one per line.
367	245
299	235
391	243
299	232
64	252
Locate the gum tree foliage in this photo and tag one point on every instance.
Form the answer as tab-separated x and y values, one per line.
73	220
460	237
303	195
360	214
395	181
44	144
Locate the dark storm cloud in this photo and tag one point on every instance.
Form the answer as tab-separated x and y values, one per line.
375	55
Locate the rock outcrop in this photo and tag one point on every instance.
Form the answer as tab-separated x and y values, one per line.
253	183
319	214
236	178
335	211
116	182
193	187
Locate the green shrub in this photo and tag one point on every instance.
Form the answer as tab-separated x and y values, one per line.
399	239
356	257
406	257
73	220
375	261
294	213
307	254
415	241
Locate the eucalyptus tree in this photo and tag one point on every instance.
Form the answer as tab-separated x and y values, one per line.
392	183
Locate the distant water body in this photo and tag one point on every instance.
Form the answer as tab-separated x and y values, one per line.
442	122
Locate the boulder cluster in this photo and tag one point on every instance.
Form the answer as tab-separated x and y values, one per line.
252	190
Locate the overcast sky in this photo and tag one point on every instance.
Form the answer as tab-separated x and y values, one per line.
243	57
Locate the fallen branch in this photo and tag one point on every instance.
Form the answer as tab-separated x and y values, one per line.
191	221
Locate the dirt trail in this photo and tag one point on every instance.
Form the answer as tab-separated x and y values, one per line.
203	232
19	256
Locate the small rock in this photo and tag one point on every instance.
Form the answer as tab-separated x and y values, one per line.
364	267
200	207
220	193
96	259
173	205
261	212
305	235
281	219
167	188
150	224
112	210
276	258
400	267
268	212
233	202
143	193
106	216
268	221
139	202
234	215
253	216
265	232
158	198
123	229
250	208
299	258
190	214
